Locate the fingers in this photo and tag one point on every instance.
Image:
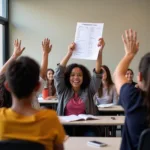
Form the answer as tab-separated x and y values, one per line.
46	41
19	43
123	39
72	46
135	36
137	45
50	46
16	42
22	49
101	42
127	35
130	35
130	42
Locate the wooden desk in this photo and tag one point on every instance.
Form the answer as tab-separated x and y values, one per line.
43	101
52	103
103	121
80	143
114	110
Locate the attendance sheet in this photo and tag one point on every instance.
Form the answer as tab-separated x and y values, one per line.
86	39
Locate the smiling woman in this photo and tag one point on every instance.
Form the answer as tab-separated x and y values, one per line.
74	85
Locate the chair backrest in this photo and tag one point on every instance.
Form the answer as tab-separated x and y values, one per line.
20	145
144	141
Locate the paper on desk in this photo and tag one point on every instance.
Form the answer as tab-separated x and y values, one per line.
86	39
105	105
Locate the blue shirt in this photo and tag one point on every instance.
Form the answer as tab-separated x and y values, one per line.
131	100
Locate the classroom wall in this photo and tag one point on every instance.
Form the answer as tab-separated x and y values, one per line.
33	20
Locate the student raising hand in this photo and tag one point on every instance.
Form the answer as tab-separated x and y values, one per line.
101	43
17	48
135	101
46	48
131	45
71	47
46	45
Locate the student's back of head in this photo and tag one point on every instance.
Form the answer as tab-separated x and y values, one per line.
22	76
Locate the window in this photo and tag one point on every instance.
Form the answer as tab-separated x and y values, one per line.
3	8
4	51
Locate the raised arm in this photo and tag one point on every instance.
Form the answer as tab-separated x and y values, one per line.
60	70
16	53
131	47
71	48
96	78
46	47
101	44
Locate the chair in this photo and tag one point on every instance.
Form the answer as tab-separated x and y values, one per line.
20	145
144	141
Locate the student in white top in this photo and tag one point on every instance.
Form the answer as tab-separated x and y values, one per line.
107	92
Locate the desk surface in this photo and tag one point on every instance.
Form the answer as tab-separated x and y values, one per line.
116	108
52	101
80	143
103	121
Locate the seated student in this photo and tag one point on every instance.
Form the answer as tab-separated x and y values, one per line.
22	121
50	84
107	92
5	97
135	101
75	87
129	75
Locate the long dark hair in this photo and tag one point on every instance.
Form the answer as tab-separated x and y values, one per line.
144	69
50	69
51	86
108	80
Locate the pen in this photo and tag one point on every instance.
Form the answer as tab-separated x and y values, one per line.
113	118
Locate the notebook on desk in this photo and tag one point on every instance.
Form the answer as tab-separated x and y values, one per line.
105	105
77	118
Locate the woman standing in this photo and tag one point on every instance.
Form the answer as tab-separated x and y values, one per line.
74	85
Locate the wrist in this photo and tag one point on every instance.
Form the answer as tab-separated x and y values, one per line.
14	57
130	55
45	53
69	54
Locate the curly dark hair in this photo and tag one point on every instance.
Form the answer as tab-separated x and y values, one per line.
86	75
23	76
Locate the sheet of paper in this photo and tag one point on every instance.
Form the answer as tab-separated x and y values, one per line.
86	39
